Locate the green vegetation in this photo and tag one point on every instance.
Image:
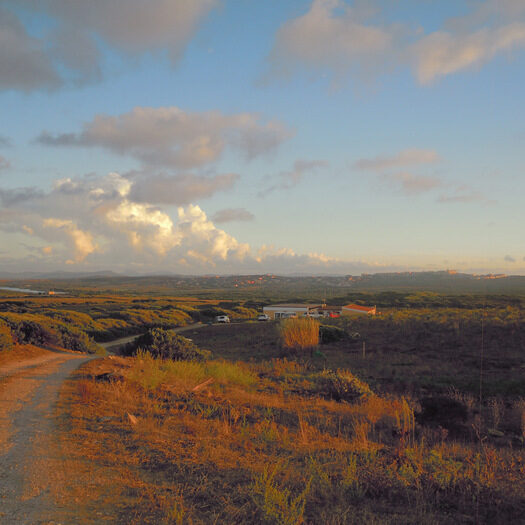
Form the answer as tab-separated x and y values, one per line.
6	337
40	330
168	345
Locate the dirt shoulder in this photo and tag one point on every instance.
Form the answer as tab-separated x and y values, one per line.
10	359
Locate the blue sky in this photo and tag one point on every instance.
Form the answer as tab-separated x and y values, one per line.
222	136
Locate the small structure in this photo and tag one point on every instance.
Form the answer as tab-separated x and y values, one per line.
326	310
283	311
357	309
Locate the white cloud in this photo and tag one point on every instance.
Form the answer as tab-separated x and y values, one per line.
145	226
82	241
96	224
233	215
171	137
440	53
334	37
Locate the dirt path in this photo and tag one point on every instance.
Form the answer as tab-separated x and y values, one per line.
111	345
28	394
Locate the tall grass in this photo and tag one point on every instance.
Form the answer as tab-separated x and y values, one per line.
150	372
299	334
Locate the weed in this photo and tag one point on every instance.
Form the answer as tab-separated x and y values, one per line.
277	504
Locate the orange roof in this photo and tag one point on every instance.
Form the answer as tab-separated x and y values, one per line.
359	307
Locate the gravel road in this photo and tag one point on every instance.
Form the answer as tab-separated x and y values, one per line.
28	395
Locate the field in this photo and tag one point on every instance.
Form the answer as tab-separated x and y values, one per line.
382	422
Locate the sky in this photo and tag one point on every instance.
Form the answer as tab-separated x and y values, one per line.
227	136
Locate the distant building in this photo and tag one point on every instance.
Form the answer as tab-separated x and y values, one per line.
283	311
327	311
357	309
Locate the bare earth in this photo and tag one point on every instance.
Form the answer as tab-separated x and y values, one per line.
28	394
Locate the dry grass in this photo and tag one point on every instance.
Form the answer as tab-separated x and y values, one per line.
299	334
243	449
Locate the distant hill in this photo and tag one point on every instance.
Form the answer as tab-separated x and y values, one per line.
445	282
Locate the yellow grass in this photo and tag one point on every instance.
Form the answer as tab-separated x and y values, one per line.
300	333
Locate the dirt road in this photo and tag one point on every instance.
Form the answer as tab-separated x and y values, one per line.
112	345
28	394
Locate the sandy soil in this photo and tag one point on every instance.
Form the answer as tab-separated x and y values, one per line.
28	394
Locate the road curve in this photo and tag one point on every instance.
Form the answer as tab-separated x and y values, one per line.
110	345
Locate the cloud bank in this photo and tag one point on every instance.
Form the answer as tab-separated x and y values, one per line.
96	222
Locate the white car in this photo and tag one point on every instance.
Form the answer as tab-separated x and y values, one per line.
222	319
263	317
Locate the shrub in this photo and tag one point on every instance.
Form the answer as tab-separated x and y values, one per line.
299	334
168	345
331	334
444	412
341	385
6	337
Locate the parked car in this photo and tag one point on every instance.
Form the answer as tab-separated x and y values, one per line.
222	319
263	317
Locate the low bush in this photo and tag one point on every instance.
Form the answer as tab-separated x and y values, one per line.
168	345
341	385
331	334
41	330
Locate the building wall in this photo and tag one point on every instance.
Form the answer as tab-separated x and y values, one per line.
271	311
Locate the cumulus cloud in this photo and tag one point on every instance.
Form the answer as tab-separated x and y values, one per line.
332	36
289	179
24	64
95	223
71	49
179	189
169	136
82	241
509	258
233	215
